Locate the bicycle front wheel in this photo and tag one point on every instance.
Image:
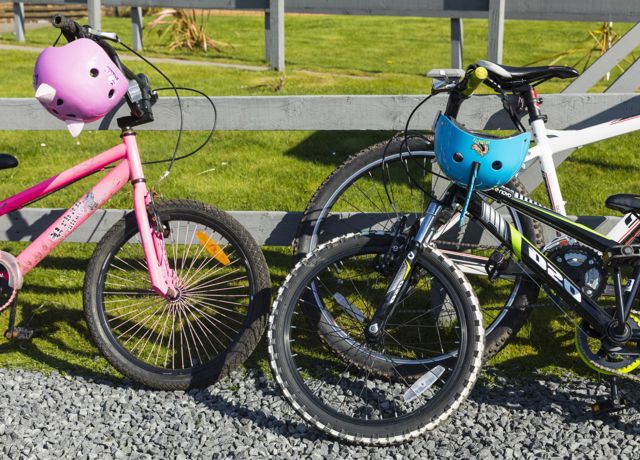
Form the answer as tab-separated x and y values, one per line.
213	325
379	185
425	366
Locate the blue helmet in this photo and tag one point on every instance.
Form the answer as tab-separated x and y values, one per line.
458	149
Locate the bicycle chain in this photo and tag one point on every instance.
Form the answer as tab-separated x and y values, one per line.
622	375
460	244
8	303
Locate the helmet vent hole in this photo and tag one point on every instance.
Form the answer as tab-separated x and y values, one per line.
457	157
497	165
59	102
94	72
72	115
54	111
111	93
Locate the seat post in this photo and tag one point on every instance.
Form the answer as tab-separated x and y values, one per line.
528	93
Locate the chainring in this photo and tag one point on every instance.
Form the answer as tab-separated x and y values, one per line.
613	362
582	265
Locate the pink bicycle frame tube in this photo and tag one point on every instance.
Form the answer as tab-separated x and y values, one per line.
73	217
63	179
129	168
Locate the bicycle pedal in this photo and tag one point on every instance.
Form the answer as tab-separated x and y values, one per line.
495	264
609	406
19	333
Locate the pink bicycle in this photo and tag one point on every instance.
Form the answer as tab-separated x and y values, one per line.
177	292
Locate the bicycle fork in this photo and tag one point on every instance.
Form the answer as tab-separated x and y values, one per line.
374	330
151	235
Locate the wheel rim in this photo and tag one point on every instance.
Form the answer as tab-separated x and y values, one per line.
423	156
215	287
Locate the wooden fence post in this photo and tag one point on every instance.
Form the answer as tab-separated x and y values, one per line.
95	15
457	54
496	30
18	21
276	34
136	28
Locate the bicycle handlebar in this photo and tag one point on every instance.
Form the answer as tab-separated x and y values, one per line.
73	31
69	28
474	80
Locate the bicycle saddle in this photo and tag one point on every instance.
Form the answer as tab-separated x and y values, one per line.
7	161
510	77
623	202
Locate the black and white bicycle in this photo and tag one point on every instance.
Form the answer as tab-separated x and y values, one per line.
378	186
377	337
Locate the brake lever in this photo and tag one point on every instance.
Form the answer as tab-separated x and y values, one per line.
106	35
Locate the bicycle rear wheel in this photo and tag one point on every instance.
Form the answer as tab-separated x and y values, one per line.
426	366
213	325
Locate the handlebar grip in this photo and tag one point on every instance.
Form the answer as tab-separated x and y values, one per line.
70	28
475	79
60	21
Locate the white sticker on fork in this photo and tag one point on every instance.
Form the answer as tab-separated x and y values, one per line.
423	383
348	307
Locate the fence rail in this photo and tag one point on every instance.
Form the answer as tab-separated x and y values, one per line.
270	228
303	113
339	113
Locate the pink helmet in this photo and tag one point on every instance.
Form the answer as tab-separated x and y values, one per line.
78	83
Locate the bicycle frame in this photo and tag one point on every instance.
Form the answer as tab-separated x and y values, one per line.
540	267
543	268
128	169
549	142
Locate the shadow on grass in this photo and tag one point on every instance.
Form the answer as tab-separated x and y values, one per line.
606	166
62	340
51	346
546	342
333	147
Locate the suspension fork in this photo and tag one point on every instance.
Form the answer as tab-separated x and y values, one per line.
374	330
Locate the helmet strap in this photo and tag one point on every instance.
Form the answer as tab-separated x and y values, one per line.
475	167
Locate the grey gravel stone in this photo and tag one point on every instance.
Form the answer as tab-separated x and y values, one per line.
59	416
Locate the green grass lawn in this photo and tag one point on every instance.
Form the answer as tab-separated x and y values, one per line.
333	54
280	170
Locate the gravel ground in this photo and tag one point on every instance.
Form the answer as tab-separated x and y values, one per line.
60	416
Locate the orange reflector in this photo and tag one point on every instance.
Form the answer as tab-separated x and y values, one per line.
213	248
